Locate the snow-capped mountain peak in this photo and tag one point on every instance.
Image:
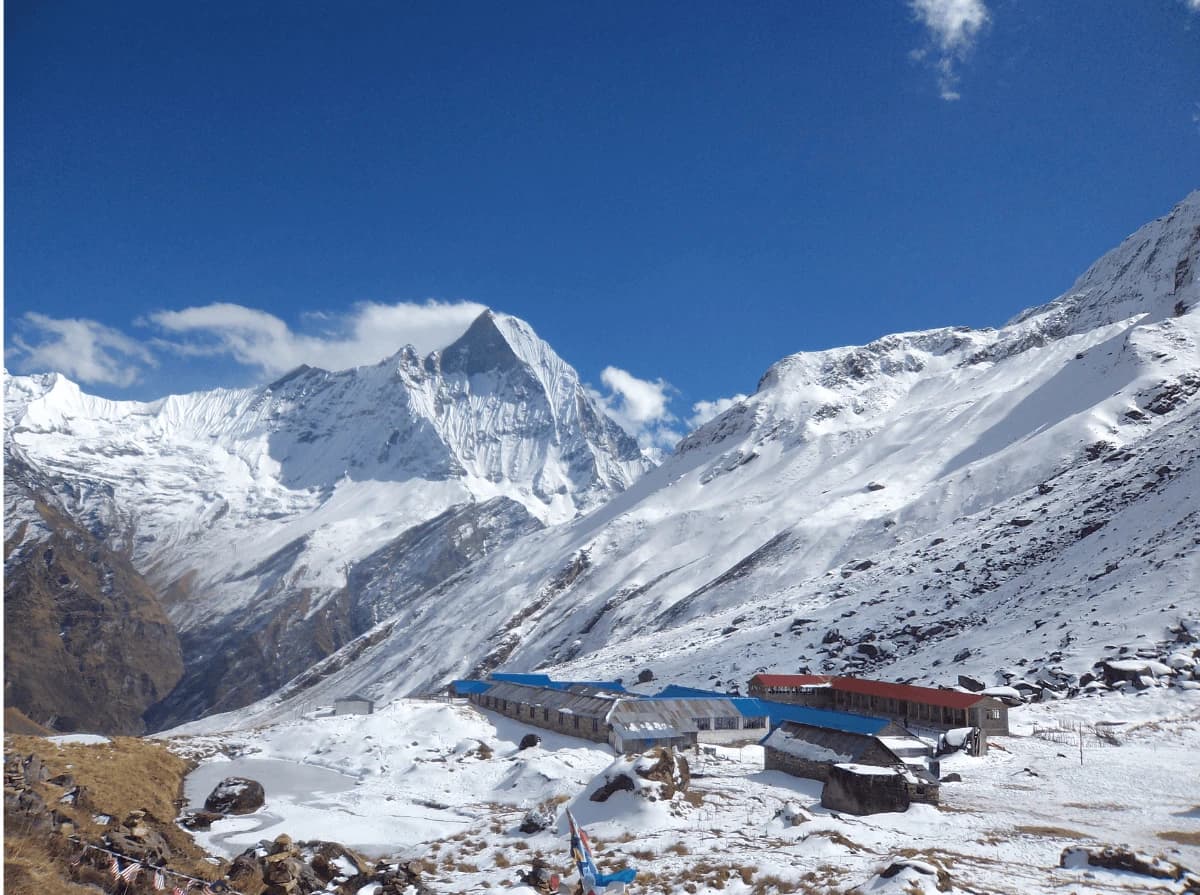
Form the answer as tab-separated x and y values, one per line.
252	503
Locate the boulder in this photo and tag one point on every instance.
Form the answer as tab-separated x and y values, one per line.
543	817
236	795
529	741
1123	859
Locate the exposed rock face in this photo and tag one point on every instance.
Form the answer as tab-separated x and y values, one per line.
88	645
236	795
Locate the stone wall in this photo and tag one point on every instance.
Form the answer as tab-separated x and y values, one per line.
864	793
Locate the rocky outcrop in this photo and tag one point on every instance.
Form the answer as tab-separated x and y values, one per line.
661	775
87	643
1122	859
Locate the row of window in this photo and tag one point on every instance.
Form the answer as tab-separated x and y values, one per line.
721	723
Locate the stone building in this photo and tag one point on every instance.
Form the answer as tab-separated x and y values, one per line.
868	789
811	750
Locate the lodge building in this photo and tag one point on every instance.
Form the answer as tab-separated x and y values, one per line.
915	707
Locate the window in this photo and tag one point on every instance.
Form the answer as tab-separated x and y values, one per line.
576	722
545	714
703	723
562	720
727	724
993	714
754	723
595	725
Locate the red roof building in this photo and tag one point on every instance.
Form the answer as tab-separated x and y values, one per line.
913	706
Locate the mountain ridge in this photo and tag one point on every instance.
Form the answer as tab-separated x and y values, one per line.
816	499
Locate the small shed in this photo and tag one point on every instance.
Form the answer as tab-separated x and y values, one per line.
869	789
353	705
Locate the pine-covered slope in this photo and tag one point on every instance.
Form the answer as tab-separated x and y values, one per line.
247	510
1018	501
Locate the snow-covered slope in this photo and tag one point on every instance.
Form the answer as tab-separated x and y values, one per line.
247	508
1023	499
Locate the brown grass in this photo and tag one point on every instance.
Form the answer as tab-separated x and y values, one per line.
1183	838
1046	832
121	776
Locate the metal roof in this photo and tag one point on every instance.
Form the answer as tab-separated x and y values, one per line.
675	691
818	744
672	717
469	687
847	722
951	699
587	705
543	680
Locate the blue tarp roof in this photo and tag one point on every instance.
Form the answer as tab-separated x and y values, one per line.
779	712
467	687
674	691
543	680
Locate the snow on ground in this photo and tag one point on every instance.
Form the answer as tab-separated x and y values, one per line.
87	739
447	783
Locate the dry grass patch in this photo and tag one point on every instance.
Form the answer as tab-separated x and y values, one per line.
121	776
1180	836
1047	832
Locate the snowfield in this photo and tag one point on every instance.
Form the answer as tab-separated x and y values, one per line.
447	783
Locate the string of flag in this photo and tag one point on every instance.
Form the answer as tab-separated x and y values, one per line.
126	869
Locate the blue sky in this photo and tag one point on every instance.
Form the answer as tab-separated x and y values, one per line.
675	195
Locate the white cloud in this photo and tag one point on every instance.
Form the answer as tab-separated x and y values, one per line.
953	26
366	335
703	411
84	350
642	401
1193	5
640	407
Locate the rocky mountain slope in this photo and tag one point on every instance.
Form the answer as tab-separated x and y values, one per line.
87	644
246	511
1009	503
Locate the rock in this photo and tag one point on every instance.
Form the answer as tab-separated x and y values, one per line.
236	795
952	778
645	676
962	655
615	784
792	815
137	840
869	650
875	486
529	741
969	683
200	820
671	771
34	771
542	817
1116	858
